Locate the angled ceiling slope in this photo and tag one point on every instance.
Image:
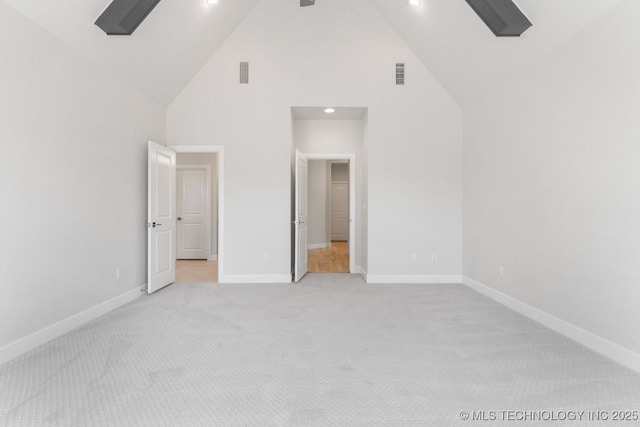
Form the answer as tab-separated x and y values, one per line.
179	37
467	59
164	53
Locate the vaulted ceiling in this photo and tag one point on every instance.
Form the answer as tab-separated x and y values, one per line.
463	54
163	54
179	36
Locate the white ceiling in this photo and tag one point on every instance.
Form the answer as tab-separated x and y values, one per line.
318	113
165	52
179	36
465	56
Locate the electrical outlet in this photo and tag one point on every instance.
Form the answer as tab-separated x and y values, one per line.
501	271
414	258
267	257
434	258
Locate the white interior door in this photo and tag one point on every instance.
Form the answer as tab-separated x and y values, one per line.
161	233
193	213
301	231
339	212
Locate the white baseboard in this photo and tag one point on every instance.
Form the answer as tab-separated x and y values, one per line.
319	246
609	349
212	258
38	338
427	279
255	278
363	273
356	270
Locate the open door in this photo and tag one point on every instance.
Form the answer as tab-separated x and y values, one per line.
161	217
300	253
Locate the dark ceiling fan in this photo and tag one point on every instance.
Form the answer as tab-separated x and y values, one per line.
122	17
502	17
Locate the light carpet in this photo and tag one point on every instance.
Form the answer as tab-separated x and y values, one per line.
330	351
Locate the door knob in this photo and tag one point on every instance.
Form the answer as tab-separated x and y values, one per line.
179	218
156	225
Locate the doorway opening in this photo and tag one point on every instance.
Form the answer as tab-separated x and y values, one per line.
328	206
337	136
198	215
339	210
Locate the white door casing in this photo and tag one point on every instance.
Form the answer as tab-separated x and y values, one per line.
301	217
340	211
194	218
161	217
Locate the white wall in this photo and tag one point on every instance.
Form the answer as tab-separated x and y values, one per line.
552	182
73	181
317	204
364	223
328	136
339	53
211	160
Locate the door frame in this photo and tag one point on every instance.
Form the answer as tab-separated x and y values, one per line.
351	157
219	150
207	225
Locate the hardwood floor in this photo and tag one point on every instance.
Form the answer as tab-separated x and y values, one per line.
196	271
329	260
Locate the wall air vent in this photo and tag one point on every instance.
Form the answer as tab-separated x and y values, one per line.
400	73
122	17
501	16
304	3
244	73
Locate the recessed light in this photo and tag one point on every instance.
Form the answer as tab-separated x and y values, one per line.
329	110
415	3
210	2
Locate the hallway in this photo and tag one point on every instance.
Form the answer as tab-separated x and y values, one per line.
329	260
196	271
